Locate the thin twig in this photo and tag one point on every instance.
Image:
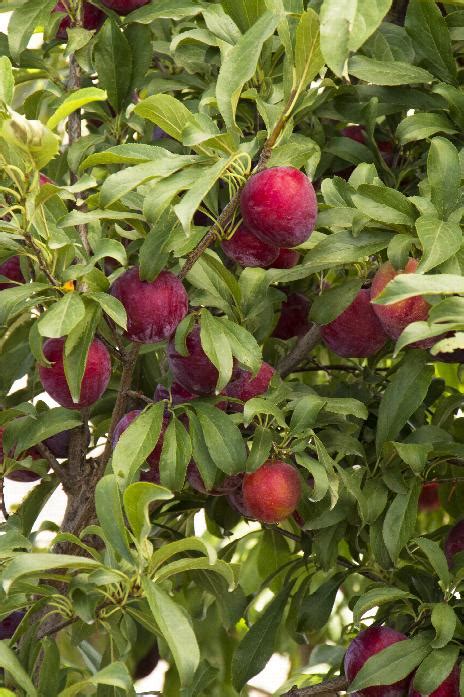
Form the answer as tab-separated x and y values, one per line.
53	462
40	259
139	395
325	687
229	211
5	513
121	400
300	351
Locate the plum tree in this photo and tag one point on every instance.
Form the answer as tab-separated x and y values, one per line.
357	331
95	379
272	493
154	309
248	250
279	205
366	644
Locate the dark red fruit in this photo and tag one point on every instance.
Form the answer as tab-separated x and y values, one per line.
11	269
43	179
273	492
279	205
147	664
153	473
357	331
21	475
96	377
248	250
454	543
176	394
286	259
228	485
123	7
398	316
429	499
153	309
366	644
236	500
448	688
10	624
244	386
194	372
92	18
293	320
356	133
456	356
59	443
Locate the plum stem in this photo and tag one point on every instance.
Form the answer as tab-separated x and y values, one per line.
325	687
229	211
300	351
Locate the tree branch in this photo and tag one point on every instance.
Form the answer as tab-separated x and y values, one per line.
323	688
229	211
60	472
2	499
300	351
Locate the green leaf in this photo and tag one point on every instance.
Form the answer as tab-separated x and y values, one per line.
414	454
336	21
223	439
164	9
201	454
408	285
436	558
444	175
387	72
24	20
260	448
444	622
175	628
181	566
428	30
109	512
10	662
75	101
376	597
6	80
111	306
113	62
404	394
116	675
308	56
43	425
440	241
166	112
384	204
392	664
316	608
76	349
243	12
154	251
423	125
137	442
243	345
258	644
330	304
10	298
137	499
62	316
400	520
216	346
239	65
175	455
38	564
187	544
434	669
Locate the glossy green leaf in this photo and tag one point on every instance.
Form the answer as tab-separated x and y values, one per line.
75	101
308	56
137	442
222	438
10	662
113	62
376	597
6	80
444	175
137	499
216	346
24	20
387	72
427	28
62	316
109	512
76	349
400	520
175	455
434	669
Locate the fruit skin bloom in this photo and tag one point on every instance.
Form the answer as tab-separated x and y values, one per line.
398	316
448	688
154	309
244	386
369	642
95	380
273	492
357	331
279	205
247	249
